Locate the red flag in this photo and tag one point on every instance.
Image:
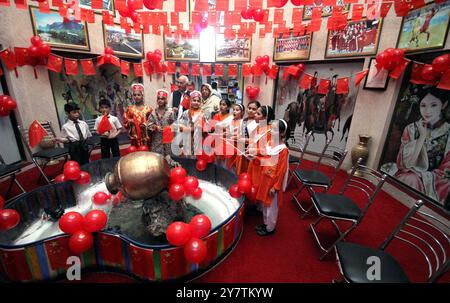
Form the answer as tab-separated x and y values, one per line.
273	72
305	83
36	133
109	249
342	85
444	83
148	68
54	63
180	5
218	70
21	4
416	75
246	70
87	66
4	3
44	7
186	102
256	70
398	70
171	67
15	264
222	5
57	251
115	61
138	72
206	69
324	86
22	57
173	263
357	12
168	135
359	76
142	262
173	87
108	18
401	8
184	68
104	125
97	4
229	233
125	67
9	59
71	66
232	70
384	9
195	69
201	5
292	70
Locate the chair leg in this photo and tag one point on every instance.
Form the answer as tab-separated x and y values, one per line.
19	185
336	227
343	235
312	228
8	192
294	198
307	212
41	171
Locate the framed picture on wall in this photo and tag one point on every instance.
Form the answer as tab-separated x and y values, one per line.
425	28
234	50
59	34
292	48
326	10
376	79
107	5
420	125
181	49
358	38
124	45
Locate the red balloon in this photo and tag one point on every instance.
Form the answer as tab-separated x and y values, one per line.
150	56
162	67
389	52
178	233
135	17
201	165
281	3
381	58
150	4
247	13
131	5
204	23
265	66
399	54
390	65
118	198
156	58
442	63
197	193
36	40
100	198
190	184
428	73
71	222
72	173
44	50
200	226
143	148
80	242
131	149
71	163
95	220
195	250
9	218
10	104
259	60
297	2
258	14
33	51
85	178
2	202
157	51
107	57
60	178
109	50
124	13
244	186
251	196
209	158
245	176
176	192
234	191
266	59
178	175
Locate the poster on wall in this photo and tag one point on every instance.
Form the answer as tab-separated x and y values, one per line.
292	48
107	5
326	10
328	115
181	49
234	50
358	38
425	28
108	83
58	33
124	44
417	147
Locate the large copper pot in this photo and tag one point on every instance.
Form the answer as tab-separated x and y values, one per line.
139	175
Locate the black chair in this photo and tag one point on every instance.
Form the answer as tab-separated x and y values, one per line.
331	156
94	141
341	207
45	156
10	171
418	230
297	143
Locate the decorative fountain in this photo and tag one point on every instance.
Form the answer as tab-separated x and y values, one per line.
133	241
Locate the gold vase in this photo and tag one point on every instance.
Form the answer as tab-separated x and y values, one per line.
361	150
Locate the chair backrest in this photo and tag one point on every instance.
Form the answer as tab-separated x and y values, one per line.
91	124
332	156
2	161
366	180
428	235
47	125
299	143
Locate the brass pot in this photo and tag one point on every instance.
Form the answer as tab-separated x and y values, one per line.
361	150
139	175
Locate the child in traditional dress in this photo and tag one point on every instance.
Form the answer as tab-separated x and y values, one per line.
248	127
233	133
220	122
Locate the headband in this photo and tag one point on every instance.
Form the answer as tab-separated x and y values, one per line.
241	106
137	87
162	93
285	124
195	93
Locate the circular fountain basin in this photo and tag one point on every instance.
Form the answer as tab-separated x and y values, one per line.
38	250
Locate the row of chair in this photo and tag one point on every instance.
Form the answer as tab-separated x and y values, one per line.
362	186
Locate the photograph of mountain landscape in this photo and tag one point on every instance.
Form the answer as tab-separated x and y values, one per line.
59	32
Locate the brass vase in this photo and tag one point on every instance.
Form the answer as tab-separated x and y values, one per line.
361	150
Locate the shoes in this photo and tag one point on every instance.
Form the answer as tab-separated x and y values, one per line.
264	232
260	227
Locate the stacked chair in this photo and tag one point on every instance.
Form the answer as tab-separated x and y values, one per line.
10	171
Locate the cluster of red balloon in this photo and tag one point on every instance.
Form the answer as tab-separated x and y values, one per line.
255	14
118	198
154	58
181	185
129	11
434	71
132	148
9	218
81	228
38	48
100	198
179	233
245	187
7	104
109	53
203	160
252	92
72	172
390	58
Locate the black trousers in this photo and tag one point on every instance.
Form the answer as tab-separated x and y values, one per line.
109	146
79	152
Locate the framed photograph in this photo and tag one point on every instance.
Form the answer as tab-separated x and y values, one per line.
425	28
420	125
107	5
358	38
59	34
181	49
233	50
124	45
326	10
292	48
376	79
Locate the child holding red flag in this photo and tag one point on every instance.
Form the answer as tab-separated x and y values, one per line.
108	127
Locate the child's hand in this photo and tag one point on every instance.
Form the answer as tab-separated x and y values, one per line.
272	192
106	134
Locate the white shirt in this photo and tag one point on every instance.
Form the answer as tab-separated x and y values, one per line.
115	123
69	131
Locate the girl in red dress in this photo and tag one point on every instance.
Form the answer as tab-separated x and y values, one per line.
234	132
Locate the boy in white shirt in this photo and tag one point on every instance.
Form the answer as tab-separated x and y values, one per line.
74	133
108	140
